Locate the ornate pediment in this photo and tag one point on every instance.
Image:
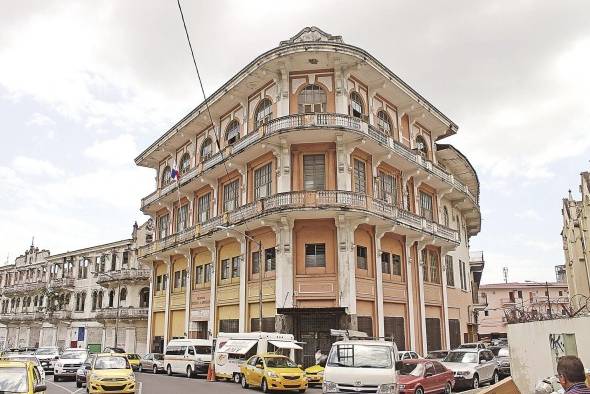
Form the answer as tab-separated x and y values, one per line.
312	34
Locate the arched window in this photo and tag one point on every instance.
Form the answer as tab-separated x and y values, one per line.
263	112
144	297
111	298
94	297
206	149
185	163
421	146
311	99
166	179
446	216
356	105
99	300
123	294
232	132
384	122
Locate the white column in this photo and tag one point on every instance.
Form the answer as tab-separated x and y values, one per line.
187	306
379	284
445	301
167	306
410	285
243	284
284	266
150	308
283	167
282	81
421	263
213	296
343	178
341	91
346	266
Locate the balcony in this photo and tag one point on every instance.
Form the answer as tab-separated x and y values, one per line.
128	275
21	317
65	283
124	314
325	200
298	122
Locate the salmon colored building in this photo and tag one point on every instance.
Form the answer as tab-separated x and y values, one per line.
328	159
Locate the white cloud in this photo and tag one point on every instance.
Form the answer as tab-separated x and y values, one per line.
40	120
36	167
116	151
528	213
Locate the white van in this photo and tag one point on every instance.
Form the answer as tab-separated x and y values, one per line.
362	366
232	349
187	356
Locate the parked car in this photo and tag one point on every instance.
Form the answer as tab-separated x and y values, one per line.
437	354
133	360
188	356
503	359
152	362
20	377
112	349
47	356
110	372
407	354
32	359
472	345
68	364
472	367
425	376
272	372
82	372
315	373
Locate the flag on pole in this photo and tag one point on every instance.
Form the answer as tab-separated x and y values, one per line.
174	173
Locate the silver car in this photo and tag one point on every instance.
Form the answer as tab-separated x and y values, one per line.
472	367
153	362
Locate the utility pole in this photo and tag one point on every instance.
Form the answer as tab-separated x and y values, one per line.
548	299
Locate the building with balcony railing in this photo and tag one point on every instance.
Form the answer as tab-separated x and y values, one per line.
46	300
324	156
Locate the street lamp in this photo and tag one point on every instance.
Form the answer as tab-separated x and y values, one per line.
260	270
118	303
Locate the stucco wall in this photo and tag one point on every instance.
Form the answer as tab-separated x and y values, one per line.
530	351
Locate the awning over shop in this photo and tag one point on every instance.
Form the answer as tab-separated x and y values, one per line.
238	346
286	345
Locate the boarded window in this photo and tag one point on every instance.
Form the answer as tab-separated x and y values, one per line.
314	172
455	333
433	333
395	328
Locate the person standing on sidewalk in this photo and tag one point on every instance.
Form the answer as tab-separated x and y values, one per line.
570	372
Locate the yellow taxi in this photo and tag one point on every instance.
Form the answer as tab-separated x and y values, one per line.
315	375
110	372
272	372
20	377
133	360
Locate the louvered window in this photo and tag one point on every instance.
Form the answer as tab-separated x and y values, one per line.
182	218
450	271
163	227
262	181
232	133
384	122
263	112
230	196
360	178
434	268
204	204
388	188
356	105
311	99
426	205
313	172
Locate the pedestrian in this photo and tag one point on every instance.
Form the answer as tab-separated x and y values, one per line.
318	355
570	372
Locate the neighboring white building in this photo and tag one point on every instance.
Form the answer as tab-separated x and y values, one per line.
71	299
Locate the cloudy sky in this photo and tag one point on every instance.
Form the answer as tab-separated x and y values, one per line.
85	86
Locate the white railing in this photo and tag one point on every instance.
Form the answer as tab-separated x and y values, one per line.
210	162
128	274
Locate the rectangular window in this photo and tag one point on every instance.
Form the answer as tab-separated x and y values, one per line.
235	267
255	262
426	205
229	325
182	279
455	333
388	188
163	227
365	324
207	273
315	255
450	271
270	259
434	268
164	281
463	277
360	177
268	324
199	277
313	172
386	262
182	218
395	328
158	282
225	269
230	196
263	181
204	207
396	264
125	259
520	293
361	257
176	279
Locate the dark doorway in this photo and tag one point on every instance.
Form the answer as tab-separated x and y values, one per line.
432	334
454	333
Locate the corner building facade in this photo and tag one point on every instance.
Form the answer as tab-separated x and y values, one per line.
330	161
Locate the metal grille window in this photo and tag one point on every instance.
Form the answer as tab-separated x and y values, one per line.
163	227
203	207
315	255
185	163
396	264
356	105
311	99
450	271
230	196
232	133
268	324
386	262
263	112
263	181
395	328
384	122
313	172
426	205
360	177
434	268
225	269
388	188
235	267
206	149
182	218
361	257
229	325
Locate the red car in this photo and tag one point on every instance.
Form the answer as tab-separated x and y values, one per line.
424	376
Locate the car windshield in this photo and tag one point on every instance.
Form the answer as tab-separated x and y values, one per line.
360	356
158	356
114	350
279	362
461	357
133	357
116	362
412	369
504	352
34	360
74	355
45	352
203	349
13	380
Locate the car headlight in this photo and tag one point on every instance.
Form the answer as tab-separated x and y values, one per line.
463	373
271	374
58	365
329	387
401	386
388	388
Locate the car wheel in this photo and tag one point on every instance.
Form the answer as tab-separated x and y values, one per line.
264	386
56	378
140	368
475	383
243	382
419	390
155	370
302	391
189	372
169	370
78	383
448	388
495	378
237	378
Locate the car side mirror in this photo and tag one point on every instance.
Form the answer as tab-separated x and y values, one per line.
299	366
40	388
56	358
259	366
87	367
399	365
482	361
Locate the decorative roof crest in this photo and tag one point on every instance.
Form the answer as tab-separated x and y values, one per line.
312	34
